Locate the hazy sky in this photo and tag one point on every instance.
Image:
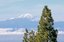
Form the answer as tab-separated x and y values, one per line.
15	8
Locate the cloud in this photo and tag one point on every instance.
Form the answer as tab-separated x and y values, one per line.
61	32
7	31
11	18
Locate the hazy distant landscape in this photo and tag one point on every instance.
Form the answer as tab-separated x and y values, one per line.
18	15
17	24
13	23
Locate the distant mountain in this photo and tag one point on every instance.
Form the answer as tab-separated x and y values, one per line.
26	23
59	25
18	23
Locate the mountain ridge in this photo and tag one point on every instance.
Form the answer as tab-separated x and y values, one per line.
26	23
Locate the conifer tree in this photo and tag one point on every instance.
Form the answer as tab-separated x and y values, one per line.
46	31
25	38
29	36
32	36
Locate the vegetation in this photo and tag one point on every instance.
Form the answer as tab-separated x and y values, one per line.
46	31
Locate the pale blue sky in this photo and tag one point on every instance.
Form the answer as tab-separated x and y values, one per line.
14	8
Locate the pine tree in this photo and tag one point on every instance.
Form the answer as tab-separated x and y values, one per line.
25	38
29	36
46	31
32	36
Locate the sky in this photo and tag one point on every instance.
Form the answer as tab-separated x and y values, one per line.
15	8
12	9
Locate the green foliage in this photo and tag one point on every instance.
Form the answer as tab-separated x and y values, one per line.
45	27
29	36
25	36
46	31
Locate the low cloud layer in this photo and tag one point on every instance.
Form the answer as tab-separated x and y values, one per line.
61	32
8	31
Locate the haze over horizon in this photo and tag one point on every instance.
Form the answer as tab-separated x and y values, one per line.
16	15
